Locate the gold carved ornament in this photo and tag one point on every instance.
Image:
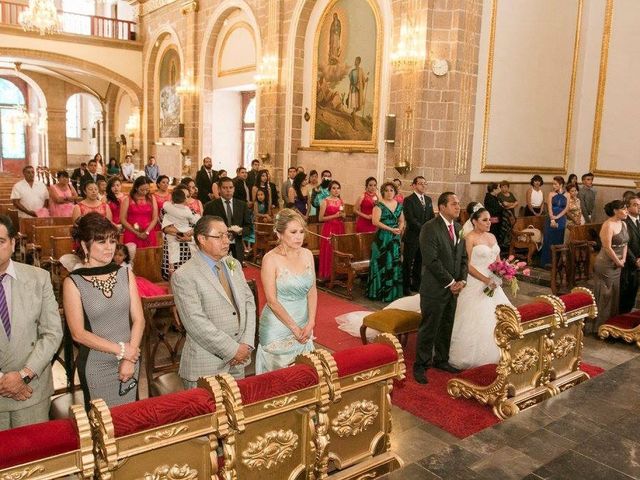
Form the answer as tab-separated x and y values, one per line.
165	472
281	402
355	418
28	472
167	433
268	451
564	346
525	360
366	375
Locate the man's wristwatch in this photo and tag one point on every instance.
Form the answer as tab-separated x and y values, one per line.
25	377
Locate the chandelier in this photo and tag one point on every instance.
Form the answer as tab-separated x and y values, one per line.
41	15
186	85
267	74
411	48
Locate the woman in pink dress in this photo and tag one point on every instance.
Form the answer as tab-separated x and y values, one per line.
162	194
91	203
364	207
139	215
114	198
332	214
62	196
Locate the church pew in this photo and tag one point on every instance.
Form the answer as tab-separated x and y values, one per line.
524	240
26	230
265	239
351	257
172	436
40	244
146	263
359	417
278	423
51	450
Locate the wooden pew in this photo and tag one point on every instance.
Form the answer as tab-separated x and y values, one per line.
40	245
59	246
265	239
26	230
522	240
146	263
351	256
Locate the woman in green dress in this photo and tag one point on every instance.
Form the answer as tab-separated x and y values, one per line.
385	268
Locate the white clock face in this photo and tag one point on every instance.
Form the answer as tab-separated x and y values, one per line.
439	67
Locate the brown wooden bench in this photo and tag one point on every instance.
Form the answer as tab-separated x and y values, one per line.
265	239
521	240
40	243
26	232
351	256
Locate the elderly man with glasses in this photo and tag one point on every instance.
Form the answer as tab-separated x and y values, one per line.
216	307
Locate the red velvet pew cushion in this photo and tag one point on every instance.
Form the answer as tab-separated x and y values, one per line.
276	383
154	412
358	359
626	321
483	375
535	310
573	301
35	442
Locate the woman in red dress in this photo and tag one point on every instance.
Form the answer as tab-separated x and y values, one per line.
364	206
114	198
332	214
139	215
162	194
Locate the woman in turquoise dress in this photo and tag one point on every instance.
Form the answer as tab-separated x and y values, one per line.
385	268
557	204
289	281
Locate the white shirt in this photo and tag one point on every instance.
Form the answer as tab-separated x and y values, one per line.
634	220
537	198
31	198
127	171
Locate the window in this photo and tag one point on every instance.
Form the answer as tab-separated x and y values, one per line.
12	131
74	109
248	128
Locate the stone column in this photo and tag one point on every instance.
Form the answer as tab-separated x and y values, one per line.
189	10
57	137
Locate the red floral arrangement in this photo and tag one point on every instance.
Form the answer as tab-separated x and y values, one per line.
506	271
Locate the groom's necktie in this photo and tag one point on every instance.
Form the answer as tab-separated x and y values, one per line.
452	235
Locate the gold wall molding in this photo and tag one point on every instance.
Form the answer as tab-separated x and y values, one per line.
268	451
227	35
485	166
355	418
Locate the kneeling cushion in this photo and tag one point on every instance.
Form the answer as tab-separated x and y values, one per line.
393	321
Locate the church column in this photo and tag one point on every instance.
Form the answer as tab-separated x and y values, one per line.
57	137
189	9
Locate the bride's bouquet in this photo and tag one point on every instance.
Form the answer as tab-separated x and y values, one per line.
506	271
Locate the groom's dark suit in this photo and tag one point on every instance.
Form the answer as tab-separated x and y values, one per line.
443	262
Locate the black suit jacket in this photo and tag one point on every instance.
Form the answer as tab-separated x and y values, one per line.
241	216
240	192
88	178
275	200
633	248
416	216
442	261
252	178
204	184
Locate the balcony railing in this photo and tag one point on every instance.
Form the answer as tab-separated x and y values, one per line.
91	25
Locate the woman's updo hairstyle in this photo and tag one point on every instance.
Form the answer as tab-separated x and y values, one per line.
475	209
611	207
285	217
92	227
491	187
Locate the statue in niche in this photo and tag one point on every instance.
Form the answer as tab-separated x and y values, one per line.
335	32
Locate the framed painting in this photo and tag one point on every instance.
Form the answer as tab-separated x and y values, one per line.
346	70
169	107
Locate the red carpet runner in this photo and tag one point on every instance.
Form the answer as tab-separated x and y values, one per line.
431	402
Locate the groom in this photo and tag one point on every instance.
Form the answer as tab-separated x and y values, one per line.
444	270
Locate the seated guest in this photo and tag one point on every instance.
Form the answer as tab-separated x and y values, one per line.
631	272
91	203
62	196
104	314
114	198
216	307
128	169
262	207
385	267
77	175
609	264
215	191
332	218
235	214
574	212
30	196
535	197
113	168
102	190
151	169
139	215
363	207
91	175
288	277
557	205
30	335
298	194
495	208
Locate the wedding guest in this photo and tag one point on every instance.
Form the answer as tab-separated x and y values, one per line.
332	218
30	196
385	268
535	197
254	173
114	198
205	178
572	178
91	203
242	190
100	163
631	272
113	168
495	208
215	190
184	239
314	183
102	190
321	192
180	216
104	314
509	205
288	183
128	169
288	318
587	197
139	215
261	183
609	264
151	169
162	193
91	175
574	212
262	208
62	196
298	194
363	207
77	175
557	205
398	183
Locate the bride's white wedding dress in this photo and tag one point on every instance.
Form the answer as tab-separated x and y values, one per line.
472	342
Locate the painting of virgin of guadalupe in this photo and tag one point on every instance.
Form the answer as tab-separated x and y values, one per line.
346	72
169	99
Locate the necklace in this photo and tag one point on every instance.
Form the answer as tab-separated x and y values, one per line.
106	285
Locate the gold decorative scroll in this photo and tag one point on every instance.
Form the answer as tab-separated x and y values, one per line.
564	346
268	451
28	472
165	472
354	418
164	434
525	360
366	376
281	402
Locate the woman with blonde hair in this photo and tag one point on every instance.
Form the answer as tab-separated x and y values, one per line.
289	280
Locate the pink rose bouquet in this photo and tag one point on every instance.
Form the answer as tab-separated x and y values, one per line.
506	271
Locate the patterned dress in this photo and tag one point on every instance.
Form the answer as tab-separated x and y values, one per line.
106	314
185	250
385	268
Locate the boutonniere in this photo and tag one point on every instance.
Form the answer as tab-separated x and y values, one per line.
461	233
231	264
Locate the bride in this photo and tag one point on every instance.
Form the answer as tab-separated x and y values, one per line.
472	341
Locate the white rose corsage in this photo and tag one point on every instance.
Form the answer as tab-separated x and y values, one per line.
231	264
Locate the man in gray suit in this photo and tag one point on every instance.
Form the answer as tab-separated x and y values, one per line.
216	307
30	334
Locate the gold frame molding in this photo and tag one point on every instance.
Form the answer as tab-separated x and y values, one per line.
485	167
237	70
602	82
367	146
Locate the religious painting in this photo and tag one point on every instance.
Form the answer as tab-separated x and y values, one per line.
169	99
346	73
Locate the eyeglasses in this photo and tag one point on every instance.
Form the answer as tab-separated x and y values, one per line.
229	236
133	383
